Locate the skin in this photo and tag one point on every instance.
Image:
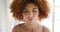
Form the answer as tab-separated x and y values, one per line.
30	13
30	17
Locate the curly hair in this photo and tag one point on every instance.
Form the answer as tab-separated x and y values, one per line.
17	7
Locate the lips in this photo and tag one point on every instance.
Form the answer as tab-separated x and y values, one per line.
30	18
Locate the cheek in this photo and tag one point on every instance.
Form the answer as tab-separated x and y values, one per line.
24	16
35	14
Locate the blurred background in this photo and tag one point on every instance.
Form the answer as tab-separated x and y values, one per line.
7	22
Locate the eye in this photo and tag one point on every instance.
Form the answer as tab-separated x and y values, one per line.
34	11
25	11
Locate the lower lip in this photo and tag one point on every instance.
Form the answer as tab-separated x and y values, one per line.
30	19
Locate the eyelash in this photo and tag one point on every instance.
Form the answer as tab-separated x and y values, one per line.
34	11
28	11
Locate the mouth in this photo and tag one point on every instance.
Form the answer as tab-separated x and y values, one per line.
30	19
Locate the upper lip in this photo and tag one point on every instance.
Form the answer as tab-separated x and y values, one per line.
30	17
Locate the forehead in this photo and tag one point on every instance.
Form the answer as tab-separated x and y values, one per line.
31	5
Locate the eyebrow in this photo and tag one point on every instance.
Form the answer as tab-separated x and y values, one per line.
32	9
26	9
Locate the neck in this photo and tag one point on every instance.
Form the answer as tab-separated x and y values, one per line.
31	26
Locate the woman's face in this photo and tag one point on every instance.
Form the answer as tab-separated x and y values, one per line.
30	13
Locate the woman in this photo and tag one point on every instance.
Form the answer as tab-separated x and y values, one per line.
30	11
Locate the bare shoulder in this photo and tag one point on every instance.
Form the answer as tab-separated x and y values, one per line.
46	29
18	28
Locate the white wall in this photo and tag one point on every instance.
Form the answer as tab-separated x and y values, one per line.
2	15
57	16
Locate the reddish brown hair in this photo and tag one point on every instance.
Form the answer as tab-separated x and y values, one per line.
17	7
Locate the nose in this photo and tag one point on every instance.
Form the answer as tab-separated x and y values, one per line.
30	14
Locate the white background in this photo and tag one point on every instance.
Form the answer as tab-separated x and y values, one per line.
7	22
